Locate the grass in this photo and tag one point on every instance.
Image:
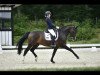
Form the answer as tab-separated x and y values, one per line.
62	69
92	41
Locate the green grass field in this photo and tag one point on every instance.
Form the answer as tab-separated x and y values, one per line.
62	69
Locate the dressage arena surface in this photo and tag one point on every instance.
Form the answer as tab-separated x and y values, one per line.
10	60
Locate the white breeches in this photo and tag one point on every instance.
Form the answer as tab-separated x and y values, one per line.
52	32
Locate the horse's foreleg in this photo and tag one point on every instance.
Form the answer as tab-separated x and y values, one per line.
32	50
69	49
53	54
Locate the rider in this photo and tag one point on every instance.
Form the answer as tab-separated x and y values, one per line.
50	27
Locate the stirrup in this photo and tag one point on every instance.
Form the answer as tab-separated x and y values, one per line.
53	46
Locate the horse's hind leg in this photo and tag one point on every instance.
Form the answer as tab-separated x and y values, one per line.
71	51
32	50
26	50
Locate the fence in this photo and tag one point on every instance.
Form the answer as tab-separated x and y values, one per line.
69	45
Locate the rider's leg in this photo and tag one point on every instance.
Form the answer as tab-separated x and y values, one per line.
53	35
53	40
52	32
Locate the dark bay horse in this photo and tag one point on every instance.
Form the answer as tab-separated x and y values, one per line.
37	38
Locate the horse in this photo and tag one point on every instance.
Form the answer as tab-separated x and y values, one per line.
36	38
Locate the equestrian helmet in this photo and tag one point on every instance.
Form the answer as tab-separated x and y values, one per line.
47	12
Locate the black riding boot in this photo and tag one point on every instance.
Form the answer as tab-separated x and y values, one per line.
53	42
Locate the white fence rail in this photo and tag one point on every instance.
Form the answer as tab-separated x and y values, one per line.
69	45
83	45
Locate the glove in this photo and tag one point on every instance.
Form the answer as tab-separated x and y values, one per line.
57	27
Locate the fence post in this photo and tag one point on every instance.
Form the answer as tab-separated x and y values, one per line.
94	49
1	49
68	45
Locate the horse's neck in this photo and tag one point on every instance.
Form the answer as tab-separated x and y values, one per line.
63	33
66	31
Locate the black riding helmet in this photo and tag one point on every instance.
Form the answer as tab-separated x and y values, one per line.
47	13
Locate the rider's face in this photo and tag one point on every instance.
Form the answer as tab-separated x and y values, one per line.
49	16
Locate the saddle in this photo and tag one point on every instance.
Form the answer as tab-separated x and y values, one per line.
48	35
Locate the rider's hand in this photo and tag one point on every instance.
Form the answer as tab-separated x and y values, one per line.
57	27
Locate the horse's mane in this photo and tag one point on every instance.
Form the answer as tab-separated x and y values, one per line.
64	27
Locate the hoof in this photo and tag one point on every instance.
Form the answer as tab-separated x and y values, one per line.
52	61
36	59
77	57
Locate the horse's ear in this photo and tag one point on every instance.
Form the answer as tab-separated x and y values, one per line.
76	27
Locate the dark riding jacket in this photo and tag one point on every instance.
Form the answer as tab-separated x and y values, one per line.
49	23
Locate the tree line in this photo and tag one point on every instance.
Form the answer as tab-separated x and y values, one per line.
61	12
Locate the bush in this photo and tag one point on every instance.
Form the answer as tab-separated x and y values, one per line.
74	23
19	31
23	25
41	24
85	33
85	30
63	23
87	23
20	24
98	24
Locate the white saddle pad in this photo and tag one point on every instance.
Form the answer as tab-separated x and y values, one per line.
48	36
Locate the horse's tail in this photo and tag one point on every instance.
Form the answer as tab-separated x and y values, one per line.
21	41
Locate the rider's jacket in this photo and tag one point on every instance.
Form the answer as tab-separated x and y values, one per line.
49	23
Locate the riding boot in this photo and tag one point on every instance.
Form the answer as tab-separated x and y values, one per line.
53	44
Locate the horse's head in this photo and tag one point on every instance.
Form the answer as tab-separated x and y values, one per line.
72	30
